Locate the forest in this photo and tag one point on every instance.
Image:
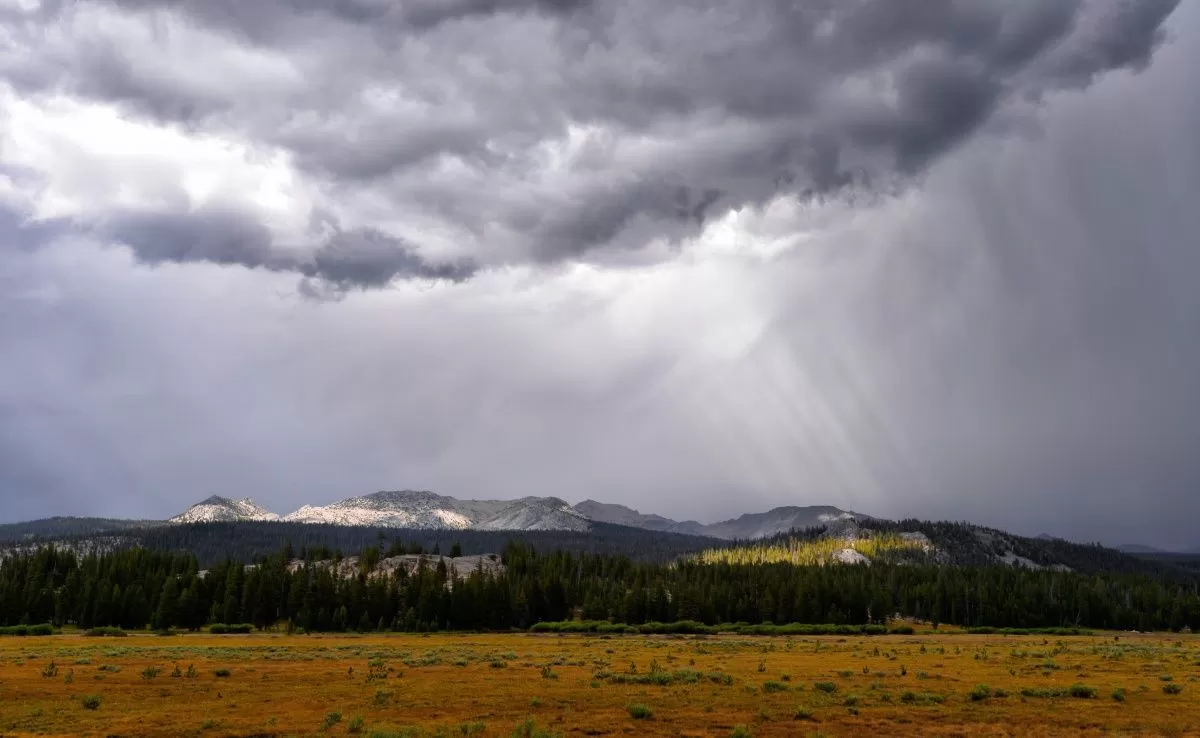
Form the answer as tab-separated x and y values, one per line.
248	541
139	588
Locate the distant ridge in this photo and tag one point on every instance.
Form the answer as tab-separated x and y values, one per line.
750	525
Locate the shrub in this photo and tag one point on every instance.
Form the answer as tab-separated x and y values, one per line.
355	725
222	673
331	720
1082	691
41	629
191	672
91	702
826	687
150	672
1119	694
804	714
106	632
639	712
980	693
51	670
1172	688
770	686
548	673
230	628
741	731
530	729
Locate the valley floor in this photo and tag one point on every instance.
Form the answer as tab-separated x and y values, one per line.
546	685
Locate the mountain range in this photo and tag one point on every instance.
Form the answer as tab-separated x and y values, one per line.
588	525
427	510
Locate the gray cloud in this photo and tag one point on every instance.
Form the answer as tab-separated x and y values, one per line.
360	258
693	109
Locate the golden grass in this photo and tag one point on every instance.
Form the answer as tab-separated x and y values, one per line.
487	685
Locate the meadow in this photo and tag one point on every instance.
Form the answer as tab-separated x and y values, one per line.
528	685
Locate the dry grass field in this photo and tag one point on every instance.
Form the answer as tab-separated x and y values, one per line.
547	685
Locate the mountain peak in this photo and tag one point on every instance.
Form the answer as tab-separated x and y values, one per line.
218	509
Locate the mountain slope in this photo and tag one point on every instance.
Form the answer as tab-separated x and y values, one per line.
400	509
603	512
537	513
781	520
426	510
217	509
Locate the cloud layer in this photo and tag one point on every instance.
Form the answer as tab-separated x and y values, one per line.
701	257
504	131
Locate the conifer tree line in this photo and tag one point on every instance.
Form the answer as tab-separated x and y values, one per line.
139	588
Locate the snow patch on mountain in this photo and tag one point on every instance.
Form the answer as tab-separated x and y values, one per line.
217	509
421	509
400	509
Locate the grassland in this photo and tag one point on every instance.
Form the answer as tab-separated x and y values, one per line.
588	685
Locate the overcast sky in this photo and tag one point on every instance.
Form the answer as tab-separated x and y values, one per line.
930	259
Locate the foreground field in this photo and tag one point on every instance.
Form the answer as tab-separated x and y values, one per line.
544	685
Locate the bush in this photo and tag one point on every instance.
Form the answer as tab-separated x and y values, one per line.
530	729
988	630
770	686
741	731
150	672
804	714
1082	691
1118	694
639	712
826	687
331	720
980	693
107	631
42	629
1172	688
230	629
222	673
693	627
91	702
356	724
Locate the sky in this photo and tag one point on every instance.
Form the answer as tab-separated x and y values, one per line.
930	259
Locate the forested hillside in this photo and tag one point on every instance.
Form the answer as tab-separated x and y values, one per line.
248	541
938	543
138	587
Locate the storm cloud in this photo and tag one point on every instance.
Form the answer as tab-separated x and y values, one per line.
917	258
546	131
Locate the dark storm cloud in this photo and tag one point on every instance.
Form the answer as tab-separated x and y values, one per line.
697	108
359	258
